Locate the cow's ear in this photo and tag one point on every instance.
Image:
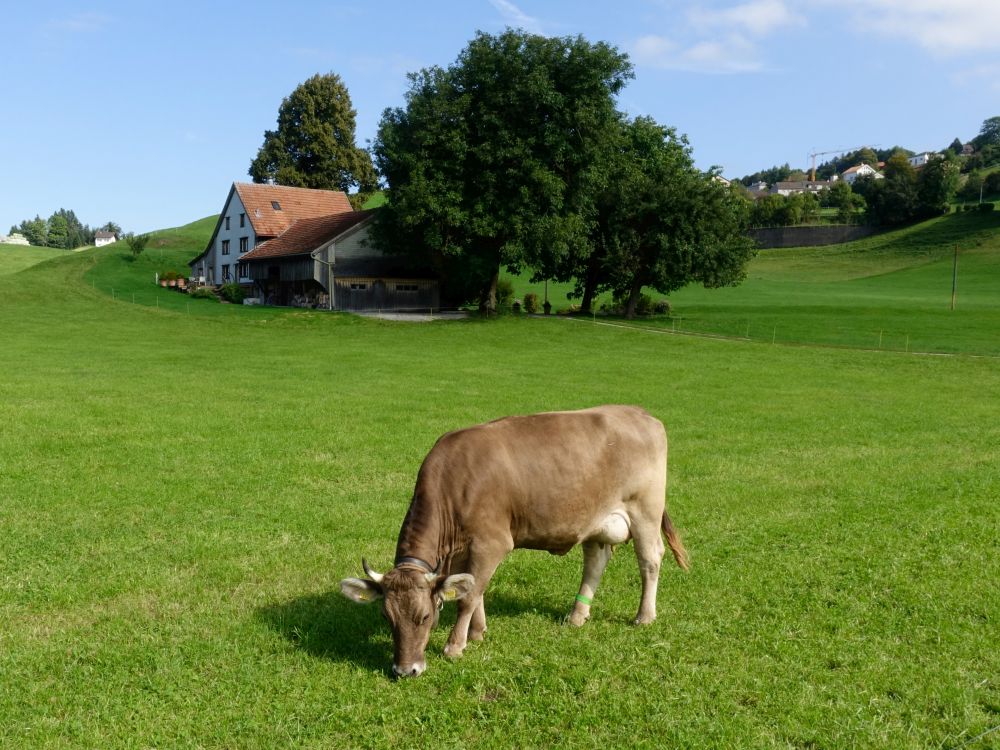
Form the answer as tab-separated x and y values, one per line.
361	591
455	587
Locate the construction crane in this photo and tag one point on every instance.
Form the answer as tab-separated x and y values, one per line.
812	157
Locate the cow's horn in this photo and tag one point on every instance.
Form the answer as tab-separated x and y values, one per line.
432	576
376	577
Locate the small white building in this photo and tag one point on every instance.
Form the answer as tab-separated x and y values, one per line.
861	170
104	238
920	159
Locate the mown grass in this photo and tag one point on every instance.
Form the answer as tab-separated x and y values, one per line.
181	489
14	258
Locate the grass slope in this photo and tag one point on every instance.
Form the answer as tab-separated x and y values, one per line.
180	492
892	291
14	258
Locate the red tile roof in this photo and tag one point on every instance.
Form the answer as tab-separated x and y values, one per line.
295	203
305	235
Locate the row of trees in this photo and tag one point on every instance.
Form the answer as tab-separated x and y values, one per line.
516	156
62	229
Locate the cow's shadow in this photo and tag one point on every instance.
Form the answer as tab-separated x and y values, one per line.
329	626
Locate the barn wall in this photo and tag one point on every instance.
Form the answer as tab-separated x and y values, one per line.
368	294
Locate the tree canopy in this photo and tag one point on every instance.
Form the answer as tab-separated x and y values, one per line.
314	144
495	160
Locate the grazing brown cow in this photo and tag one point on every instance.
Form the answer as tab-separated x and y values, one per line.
548	481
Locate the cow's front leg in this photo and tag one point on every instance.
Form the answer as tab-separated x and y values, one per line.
471	620
477	627
595	559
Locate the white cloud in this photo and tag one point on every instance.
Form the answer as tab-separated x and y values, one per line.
726	39
953	28
516	17
757	17
733	54
980	77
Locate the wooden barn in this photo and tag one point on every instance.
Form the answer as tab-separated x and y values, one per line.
328	262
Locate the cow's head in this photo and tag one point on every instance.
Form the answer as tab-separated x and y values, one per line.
411	601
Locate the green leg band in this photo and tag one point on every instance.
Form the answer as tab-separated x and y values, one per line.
584	599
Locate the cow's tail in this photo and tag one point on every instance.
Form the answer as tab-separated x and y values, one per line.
674	542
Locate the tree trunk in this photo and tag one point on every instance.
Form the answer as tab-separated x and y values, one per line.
633	297
591	281
488	300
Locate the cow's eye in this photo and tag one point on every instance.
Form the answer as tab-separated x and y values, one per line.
424	619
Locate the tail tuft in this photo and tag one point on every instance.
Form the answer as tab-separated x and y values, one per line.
674	542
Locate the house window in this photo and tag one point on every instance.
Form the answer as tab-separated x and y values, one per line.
227	222
355	287
275	205
244	270
225	272
243	220
225	247
406	287
244	244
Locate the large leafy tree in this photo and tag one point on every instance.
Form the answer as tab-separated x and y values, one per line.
937	184
989	133
314	144
664	224
496	159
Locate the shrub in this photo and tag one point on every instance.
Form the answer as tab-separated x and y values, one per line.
169	275
233	292
662	307
136	243
985	207
505	294
202	292
644	305
531	303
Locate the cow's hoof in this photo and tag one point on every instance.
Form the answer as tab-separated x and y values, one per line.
477	636
576	619
453	652
644	620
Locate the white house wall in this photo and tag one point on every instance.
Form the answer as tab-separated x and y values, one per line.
215	260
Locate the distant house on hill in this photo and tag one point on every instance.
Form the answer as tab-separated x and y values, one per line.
921	159
297	245
800	186
104	238
861	170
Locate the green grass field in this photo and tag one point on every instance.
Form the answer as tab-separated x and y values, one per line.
183	484
14	258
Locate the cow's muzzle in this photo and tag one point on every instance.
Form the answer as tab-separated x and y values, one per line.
409	670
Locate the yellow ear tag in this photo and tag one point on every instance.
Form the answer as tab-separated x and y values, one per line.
363	597
449	595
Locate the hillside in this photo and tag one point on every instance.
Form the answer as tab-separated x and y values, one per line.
14	258
892	291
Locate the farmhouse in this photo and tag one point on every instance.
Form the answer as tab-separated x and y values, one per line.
308	248
253	214
104	238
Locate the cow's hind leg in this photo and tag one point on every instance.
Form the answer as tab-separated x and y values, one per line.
595	559
649	549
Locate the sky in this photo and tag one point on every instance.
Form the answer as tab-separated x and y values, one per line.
144	113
